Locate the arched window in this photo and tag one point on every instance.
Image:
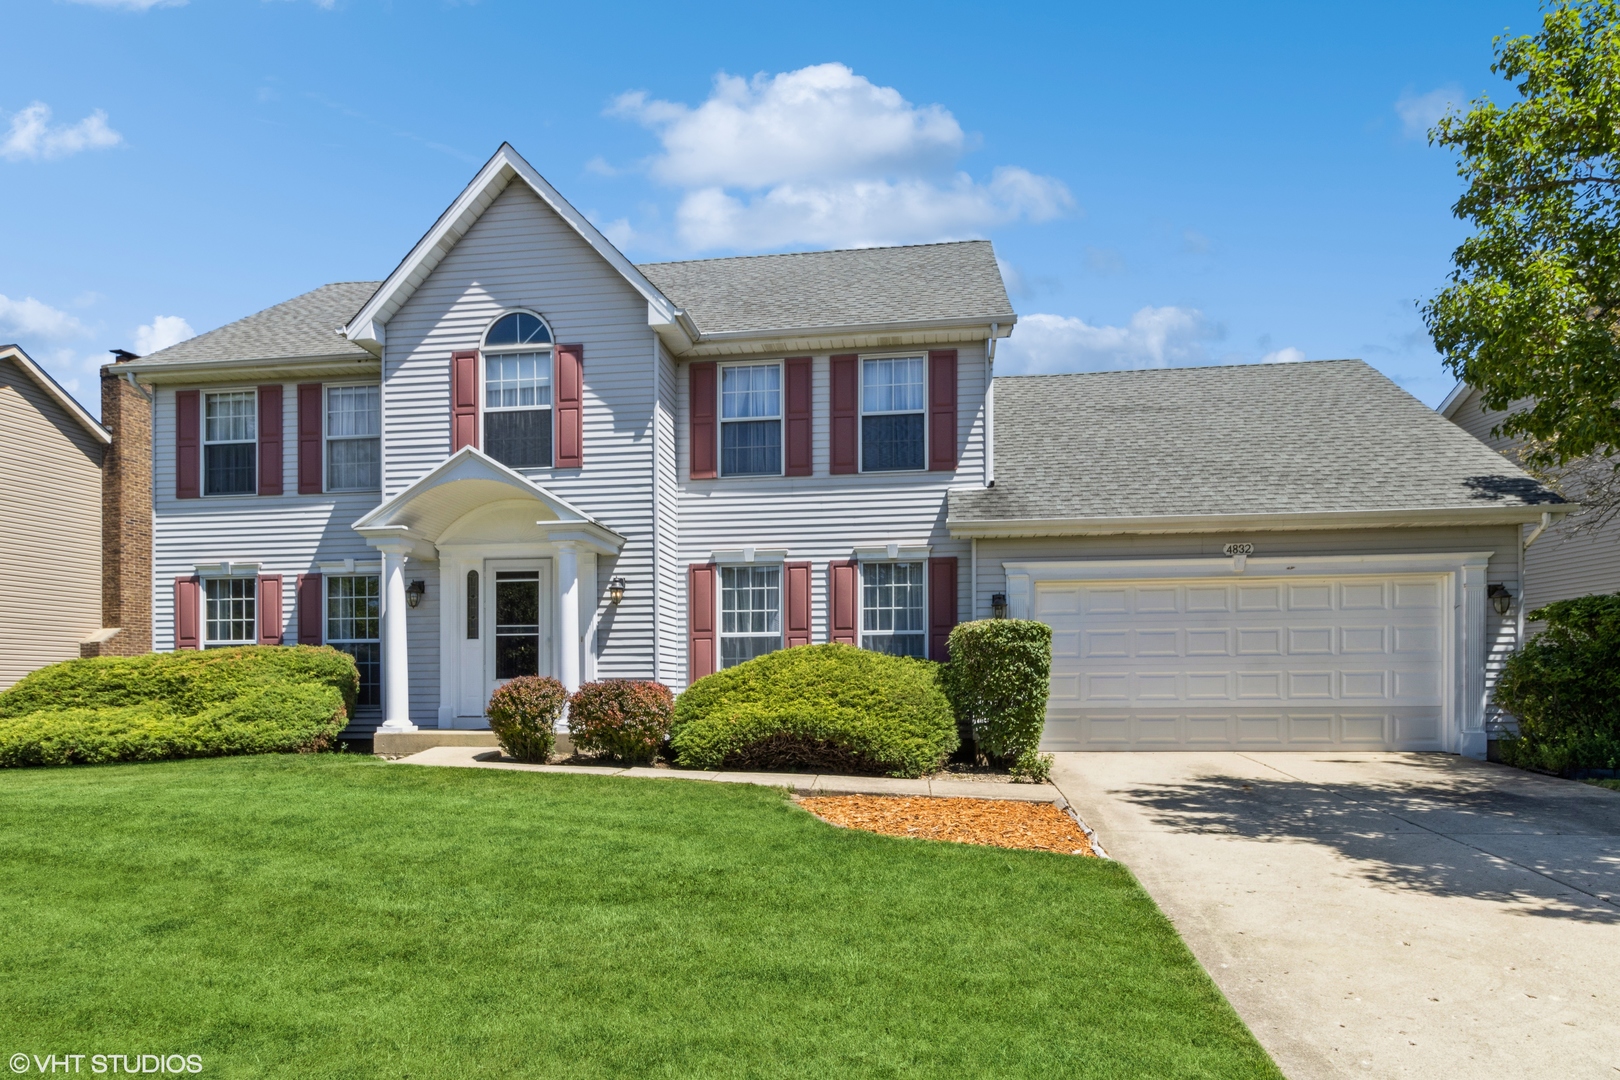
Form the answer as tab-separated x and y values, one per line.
517	390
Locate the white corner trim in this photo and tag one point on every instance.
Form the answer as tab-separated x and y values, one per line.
228	568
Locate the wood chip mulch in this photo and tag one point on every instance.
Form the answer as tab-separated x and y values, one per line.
998	822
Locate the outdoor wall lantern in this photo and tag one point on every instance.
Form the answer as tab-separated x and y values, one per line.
1501	599
414	591
616	590
998	605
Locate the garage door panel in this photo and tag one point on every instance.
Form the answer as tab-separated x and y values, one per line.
1162	664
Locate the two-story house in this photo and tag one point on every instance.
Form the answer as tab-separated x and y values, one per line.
521	453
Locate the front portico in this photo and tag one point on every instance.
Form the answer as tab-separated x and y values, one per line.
518	584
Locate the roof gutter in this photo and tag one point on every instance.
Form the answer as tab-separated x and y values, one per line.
192	367
1216	523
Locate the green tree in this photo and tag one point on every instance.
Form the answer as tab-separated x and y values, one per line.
1531	316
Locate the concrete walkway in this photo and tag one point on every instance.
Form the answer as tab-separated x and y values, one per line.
1391	915
482	757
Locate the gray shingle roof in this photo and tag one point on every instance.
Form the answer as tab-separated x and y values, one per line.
1315	437
815	289
305	326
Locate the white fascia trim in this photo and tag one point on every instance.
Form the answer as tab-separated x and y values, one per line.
743	555
467	208
44	381
1301	566
1294	522
1453	400
228	568
812	338
892	551
232	370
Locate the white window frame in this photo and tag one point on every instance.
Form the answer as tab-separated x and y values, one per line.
327	438
780	418
486	351
252	599
203	442
861	413
861	631
720	608
326	620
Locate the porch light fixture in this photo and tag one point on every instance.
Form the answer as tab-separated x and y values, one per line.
998	605
1501	599
414	591
616	590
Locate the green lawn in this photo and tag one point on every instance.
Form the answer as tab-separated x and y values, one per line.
332	915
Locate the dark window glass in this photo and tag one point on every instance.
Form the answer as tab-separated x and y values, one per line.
521	439
890	443
892	608
751	448
750	612
517	623
472	605
230	607
354	625
518	328
229	468
368	658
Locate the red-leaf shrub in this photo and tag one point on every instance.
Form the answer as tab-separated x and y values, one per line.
523	715
626	719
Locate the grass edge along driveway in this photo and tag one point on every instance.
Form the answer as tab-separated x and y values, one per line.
334	916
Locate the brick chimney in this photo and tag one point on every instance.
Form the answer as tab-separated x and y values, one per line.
126	516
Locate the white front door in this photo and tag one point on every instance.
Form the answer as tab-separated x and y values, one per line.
518	607
1295	664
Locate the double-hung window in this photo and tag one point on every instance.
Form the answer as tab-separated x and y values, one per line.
892	608
230	615
230	449
893	423
353	438
750	612
517	391
354	626
751	420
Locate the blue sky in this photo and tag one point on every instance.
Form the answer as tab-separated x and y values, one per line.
1165	184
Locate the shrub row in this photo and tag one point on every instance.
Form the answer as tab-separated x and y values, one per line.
624	719
1564	687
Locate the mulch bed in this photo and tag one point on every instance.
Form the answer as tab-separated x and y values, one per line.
997	822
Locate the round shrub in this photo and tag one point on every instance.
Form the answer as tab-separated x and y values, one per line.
523	714
998	681
832	707
1564	686
627	719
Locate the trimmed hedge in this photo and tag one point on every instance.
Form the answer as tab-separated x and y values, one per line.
523	714
627	719
819	707
998	681
1564	686
249	700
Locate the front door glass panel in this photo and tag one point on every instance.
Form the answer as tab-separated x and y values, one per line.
517	623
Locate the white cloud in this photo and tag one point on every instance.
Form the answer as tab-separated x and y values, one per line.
824	156
1155	337
130	5
1420	112
29	318
32	137
160	333
1289	355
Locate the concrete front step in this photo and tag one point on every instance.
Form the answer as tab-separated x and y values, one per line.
405	743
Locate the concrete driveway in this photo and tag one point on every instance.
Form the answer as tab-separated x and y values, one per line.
1382	914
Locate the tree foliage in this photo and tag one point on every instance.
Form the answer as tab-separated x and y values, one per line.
1532	313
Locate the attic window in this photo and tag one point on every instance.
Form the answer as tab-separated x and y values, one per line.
517	391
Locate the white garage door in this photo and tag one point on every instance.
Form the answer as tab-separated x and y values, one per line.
1353	663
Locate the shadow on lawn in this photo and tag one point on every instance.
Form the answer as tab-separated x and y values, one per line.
1434	832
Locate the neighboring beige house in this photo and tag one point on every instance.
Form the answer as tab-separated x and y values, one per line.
51	456
1561	562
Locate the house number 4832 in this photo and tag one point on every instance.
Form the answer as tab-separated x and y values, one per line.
1238	549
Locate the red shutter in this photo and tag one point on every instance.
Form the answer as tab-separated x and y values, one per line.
187	609
941	606
309	439
846	414
701	640
309	609
187	447
942	410
843	609
269	609
701	422
796	410
270	440
463	399
570	406
797	607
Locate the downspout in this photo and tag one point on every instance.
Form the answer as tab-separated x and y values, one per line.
1546	522
990	409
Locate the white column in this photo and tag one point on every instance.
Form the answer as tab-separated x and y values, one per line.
395	664
568	614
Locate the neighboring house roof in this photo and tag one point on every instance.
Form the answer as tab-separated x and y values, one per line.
1316	442
40	376
1459	393
837	289
305	327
